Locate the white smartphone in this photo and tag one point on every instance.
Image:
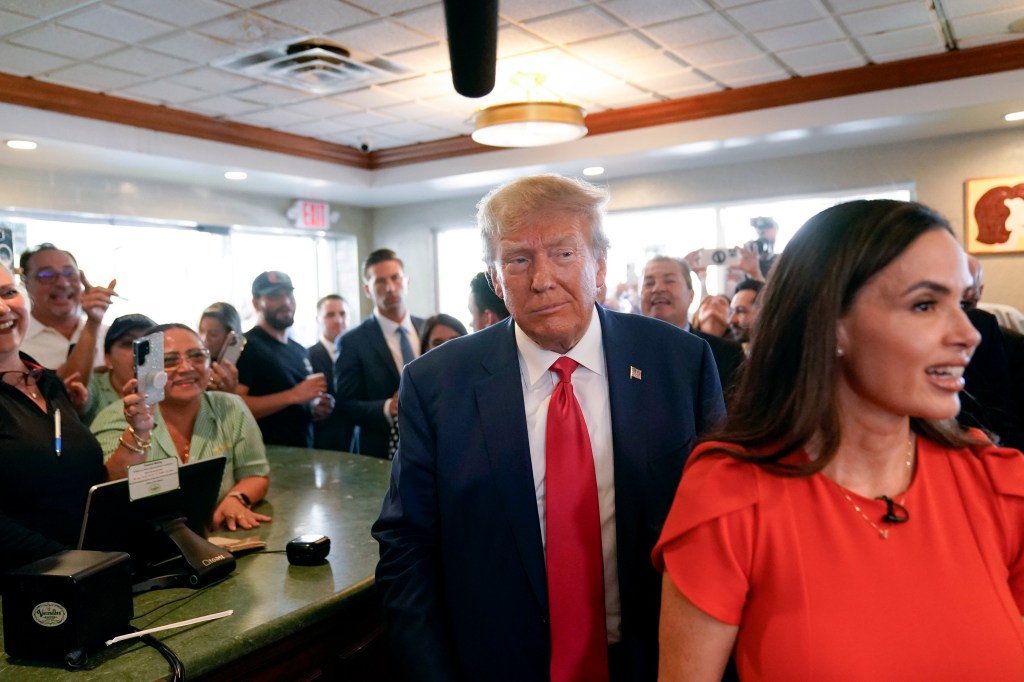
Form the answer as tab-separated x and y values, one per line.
233	346
149	367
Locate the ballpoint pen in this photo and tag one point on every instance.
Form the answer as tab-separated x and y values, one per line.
56	431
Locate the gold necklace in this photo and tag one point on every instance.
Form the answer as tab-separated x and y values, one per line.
884	532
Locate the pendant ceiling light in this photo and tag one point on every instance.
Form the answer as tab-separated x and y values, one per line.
530	123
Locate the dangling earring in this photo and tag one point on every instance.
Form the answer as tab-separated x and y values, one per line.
839	352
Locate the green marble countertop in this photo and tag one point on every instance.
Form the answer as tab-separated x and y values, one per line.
311	491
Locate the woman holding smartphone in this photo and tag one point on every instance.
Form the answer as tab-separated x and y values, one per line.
220	327
191	424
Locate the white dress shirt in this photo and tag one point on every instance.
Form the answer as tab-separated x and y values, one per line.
590	385
390	330
331	347
50	348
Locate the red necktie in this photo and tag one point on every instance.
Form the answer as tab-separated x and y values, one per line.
579	642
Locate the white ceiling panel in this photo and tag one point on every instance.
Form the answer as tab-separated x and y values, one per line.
313	16
193	47
626	46
274	118
222	106
144	62
163	92
181	13
94	77
112	22
747	72
884	19
41	9
428	20
66	42
800	35
961	8
655	11
719	52
990	24
22	61
386	8
807	61
381	37
11	22
369	98
642	71
214	80
524	10
706	28
758	16
895	44
574	25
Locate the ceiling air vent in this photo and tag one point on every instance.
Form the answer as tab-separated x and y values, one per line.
312	64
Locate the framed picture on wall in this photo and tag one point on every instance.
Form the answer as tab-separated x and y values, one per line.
994	220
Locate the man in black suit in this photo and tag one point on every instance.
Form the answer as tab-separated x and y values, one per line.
332	433
666	292
481	513
371	357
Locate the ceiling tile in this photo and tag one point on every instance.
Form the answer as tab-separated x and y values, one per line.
621	46
41	9
180	12
164	92
759	69
463	107
193	47
388	7
271	95
693	31
355	138
21	61
11	22
893	17
144	62
209	79
844	6
411	130
369	98
962	8
66	42
365	119
671	83
800	35
989	39
114	23
420	86
693	90
513	41
380	37
573	25
640	71
94	77
992	24
273	118
412	111
248	30
833	56
429	20
325	107
320	129
429	58
885	46
758	16
316	16
719	52
222	106
524	10
654	11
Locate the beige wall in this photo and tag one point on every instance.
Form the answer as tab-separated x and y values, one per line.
937	167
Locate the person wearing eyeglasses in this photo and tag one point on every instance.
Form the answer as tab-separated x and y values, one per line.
48	458
191	424
65	329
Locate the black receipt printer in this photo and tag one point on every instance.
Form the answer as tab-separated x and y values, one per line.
72	601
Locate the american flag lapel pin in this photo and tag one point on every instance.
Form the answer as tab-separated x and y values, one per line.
634	373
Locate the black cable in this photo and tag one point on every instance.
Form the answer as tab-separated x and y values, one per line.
177	667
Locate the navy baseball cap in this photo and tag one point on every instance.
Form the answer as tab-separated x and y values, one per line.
271	282
122	326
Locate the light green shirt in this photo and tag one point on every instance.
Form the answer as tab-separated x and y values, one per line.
224	427
101	394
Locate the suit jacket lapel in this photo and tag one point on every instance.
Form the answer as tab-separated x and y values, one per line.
380	348
503	419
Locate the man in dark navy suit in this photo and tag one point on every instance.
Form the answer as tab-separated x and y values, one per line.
371	357
332	433
471	525
666	292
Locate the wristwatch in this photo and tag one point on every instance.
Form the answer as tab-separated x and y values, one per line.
242	497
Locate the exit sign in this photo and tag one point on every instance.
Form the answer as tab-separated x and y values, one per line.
313	215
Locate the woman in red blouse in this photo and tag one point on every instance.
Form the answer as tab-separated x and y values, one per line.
840	526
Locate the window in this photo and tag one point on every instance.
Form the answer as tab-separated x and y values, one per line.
171	273
637	235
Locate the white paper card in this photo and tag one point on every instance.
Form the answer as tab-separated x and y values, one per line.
152	478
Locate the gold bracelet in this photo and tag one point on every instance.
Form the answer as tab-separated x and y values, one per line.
138	441
129	448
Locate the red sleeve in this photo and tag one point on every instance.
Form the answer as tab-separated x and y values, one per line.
1005	468
708	540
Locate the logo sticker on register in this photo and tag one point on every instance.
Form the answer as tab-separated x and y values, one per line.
152	478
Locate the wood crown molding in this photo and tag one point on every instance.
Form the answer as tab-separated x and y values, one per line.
872	78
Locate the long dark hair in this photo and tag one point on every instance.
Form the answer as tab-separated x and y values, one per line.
786	394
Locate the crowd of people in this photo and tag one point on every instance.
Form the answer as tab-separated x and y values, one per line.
618	496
